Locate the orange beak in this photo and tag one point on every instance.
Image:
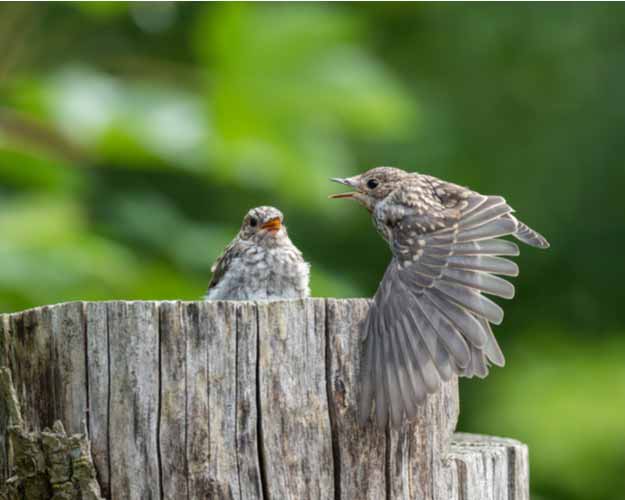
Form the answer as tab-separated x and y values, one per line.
342	195
272	225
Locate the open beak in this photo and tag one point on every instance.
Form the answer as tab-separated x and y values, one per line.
272	225
347	182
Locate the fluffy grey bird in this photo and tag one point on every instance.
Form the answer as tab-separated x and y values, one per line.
429	319
260	263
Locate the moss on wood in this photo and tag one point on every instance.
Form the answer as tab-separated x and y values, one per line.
46	464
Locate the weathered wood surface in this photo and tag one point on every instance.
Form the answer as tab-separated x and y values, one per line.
44	464
488	468
238	400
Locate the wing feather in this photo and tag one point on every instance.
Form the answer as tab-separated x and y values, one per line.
492	229
481	281
486	263
391	369
474	302
490	210
487	247
430	319
406	377
492	349
442	328
221	265
381	399
367	367
412	342
462	319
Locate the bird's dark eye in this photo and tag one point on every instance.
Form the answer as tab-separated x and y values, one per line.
253	221
372	184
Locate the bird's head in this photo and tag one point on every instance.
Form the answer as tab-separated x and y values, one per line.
263	225
372	186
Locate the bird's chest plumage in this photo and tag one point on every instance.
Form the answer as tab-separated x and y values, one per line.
386	216
265	273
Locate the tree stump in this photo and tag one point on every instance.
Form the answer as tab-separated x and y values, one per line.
237	400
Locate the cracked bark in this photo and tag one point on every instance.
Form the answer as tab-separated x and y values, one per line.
44	464
237	400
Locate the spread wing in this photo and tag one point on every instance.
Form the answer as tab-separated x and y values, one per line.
430	318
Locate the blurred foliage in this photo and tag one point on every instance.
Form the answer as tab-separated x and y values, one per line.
133	138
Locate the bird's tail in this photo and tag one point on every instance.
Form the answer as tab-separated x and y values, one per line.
530	237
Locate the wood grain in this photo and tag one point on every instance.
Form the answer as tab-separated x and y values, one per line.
295	424
248	459
238	400
489	467
97	359
4	417
218	323
173	401
360	453
197	415
134	400
67	327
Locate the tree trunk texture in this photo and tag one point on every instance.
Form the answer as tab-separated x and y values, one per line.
237	400
45	464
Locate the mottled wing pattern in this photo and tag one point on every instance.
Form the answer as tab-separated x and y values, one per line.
430	319
222	264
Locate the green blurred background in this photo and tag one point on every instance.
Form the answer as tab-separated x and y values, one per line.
133	138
